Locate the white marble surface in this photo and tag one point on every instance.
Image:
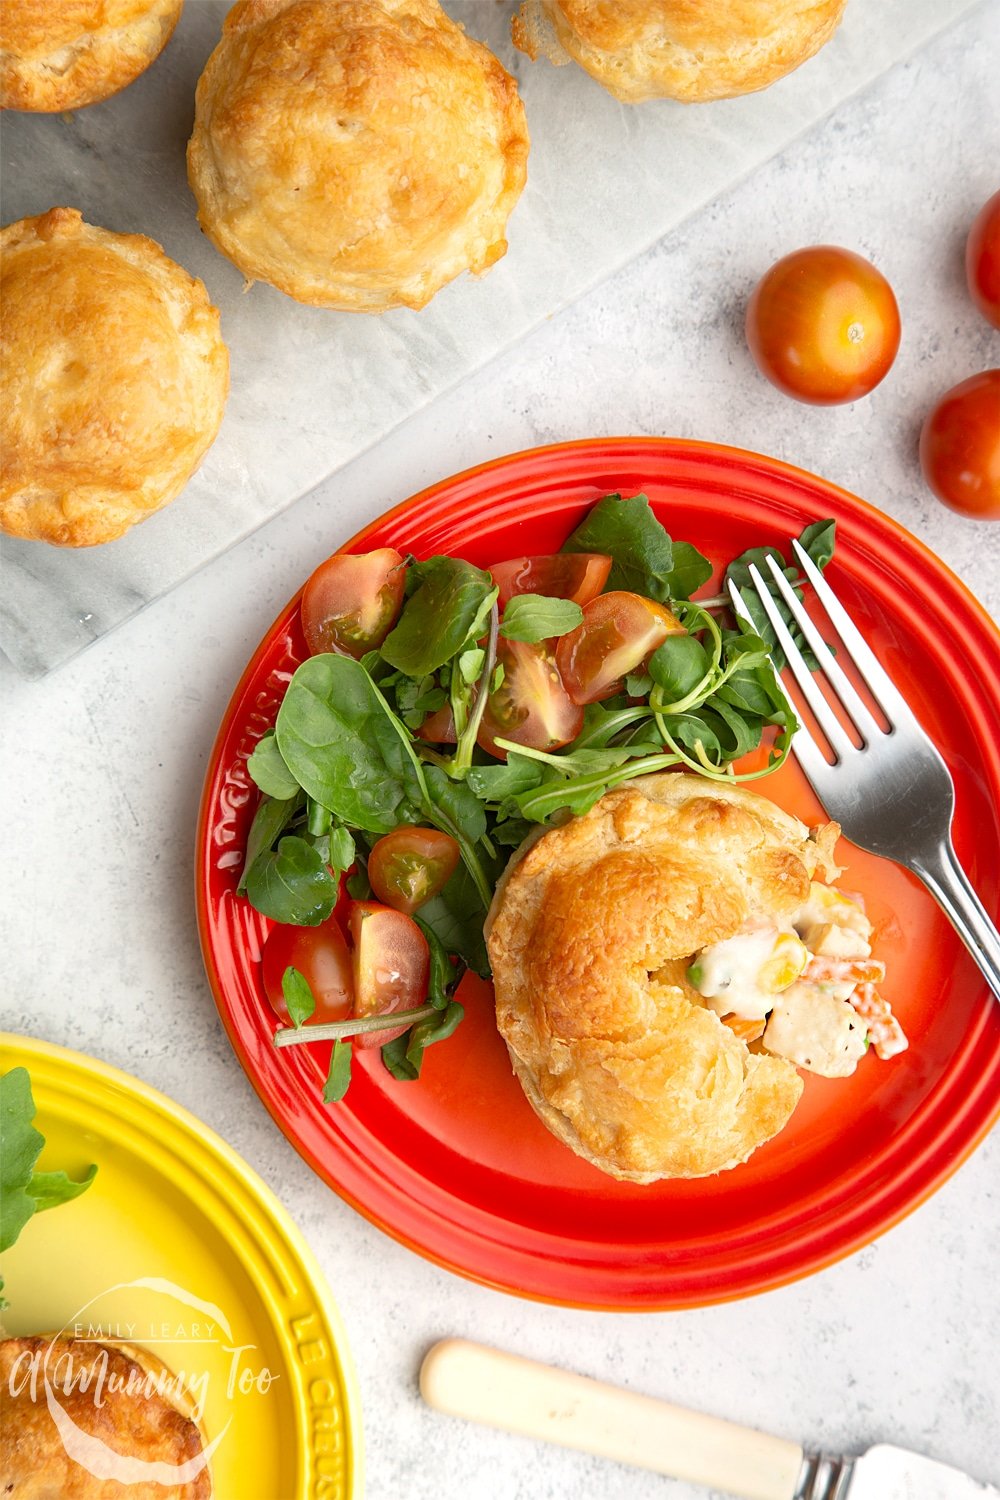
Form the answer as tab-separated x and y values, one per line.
312	389
102	764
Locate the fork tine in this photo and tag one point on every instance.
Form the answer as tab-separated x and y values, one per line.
845	689
806	751
822	712
884	690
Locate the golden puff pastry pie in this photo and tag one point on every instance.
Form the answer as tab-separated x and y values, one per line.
142	1415
114	379
62	54
691	50
355	155
590	934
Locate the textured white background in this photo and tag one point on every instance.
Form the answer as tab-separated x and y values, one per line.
102	765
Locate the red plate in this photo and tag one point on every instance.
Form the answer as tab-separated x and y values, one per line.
457	1166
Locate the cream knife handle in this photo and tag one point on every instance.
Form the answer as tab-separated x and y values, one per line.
517	1395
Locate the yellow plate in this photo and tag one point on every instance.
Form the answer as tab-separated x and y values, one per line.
180	1247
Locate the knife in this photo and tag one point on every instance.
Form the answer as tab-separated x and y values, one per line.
517	1395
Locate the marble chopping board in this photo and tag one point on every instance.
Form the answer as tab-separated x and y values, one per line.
313	389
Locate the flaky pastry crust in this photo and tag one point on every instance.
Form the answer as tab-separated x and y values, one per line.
63	54
355	155
589	937
160	1427
691	50
114	379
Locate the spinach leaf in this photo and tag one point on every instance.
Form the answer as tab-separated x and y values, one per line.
269	771
447	608
338	740
641	551
292	883
690	570
271	818
535	617
299	997
339	1076
459	803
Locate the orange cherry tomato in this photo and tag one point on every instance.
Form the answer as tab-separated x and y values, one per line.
579	576
530	707
410	865
620	631
982	260
823	325
960	447
350	603
391	962
321	957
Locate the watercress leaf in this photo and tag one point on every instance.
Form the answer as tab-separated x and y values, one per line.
744	646
50	1189
745	691
692	729
456	915
449	605
396	1061
268	769
20	1148
470	666
678	666
299	997
535	617
641	551
343	849
494	782
339	1076
819	540
459	803
272	817
736	735
738	571
292	883
638	685
336	736
511	832
358	886
690	570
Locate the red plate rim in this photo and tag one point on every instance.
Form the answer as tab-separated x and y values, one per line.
963	1113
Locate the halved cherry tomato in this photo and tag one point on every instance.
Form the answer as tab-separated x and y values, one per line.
321	957
982	260
391	962
350	603
531	706
960	447
410	865
823	325
620	631
579	576
439	727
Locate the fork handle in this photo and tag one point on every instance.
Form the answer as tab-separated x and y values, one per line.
950	886
517	1395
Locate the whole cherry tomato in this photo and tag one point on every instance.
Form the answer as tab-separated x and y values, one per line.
620	631
391	962
321	957
982	260
579	576
530	707
410	865
351	602
823	325
960	447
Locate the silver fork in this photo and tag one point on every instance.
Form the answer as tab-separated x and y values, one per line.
894	796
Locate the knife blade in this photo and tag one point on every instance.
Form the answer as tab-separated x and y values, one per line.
519	1395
